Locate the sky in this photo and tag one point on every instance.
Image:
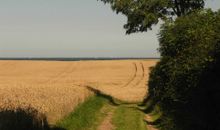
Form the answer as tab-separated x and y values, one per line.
71	28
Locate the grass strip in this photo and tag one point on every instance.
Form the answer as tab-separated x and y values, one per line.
86	116
126	118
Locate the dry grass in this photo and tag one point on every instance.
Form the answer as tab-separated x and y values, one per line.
55	88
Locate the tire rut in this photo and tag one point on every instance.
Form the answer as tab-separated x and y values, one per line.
136	79
106	123
133	77
143	74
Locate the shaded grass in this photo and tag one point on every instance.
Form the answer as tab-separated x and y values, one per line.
24	119
121	102
86	116
155	114
126	118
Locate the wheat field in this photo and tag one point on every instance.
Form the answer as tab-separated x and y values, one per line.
55	88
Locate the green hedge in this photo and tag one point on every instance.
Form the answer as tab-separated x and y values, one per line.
187	79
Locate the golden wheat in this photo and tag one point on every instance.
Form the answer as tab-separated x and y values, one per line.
55	88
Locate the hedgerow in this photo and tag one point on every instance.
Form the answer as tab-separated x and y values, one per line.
186	82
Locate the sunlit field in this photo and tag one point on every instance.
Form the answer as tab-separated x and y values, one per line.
55	88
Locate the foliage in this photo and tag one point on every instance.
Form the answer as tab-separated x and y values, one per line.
142	14
22	119
185	81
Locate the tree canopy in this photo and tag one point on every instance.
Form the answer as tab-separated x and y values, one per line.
143	14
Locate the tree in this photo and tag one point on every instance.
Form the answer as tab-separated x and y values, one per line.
185	83
143	14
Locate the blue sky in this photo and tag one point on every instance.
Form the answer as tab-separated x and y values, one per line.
70	28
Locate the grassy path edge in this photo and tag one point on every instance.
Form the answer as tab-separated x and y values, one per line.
86	116
90	114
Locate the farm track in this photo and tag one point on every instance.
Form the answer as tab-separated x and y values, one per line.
143	74
106	123
133	77
137	78
134	90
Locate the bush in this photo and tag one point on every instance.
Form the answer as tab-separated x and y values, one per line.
186	82
22	119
